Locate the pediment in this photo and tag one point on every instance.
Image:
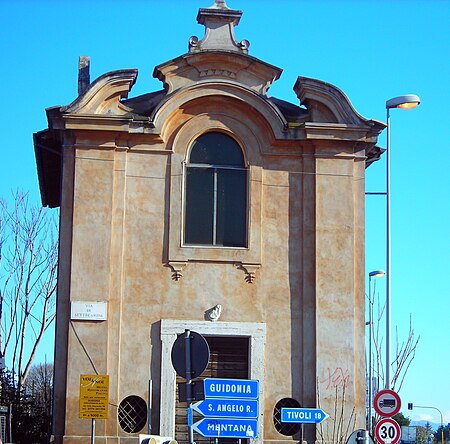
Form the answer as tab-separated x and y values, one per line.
213	66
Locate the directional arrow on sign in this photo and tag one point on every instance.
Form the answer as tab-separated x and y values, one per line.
227	428
303	416
227	408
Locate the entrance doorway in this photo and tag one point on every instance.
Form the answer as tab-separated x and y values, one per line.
249	337
229	358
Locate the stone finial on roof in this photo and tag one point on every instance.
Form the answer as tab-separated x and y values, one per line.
219	4
219	21
83	74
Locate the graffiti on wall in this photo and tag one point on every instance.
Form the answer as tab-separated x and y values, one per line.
334	377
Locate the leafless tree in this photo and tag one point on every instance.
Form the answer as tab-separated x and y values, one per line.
28	272
39	385
342	421
405	349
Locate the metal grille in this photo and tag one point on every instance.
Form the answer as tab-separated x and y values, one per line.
132	414
287	429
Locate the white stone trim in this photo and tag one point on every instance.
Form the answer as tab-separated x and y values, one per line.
169	331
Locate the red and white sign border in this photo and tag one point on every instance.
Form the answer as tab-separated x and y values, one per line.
395	424
387	392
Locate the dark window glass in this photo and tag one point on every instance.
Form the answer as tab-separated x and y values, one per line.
216	149
231	208
216	193
199	206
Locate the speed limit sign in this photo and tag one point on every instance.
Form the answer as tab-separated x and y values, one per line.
387	430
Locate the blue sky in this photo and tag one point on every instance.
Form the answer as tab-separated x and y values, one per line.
372	50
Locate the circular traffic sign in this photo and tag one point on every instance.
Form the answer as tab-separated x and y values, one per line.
198	357
387	403
387	430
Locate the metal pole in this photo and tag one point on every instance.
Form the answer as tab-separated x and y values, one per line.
187	338
408	101
369	419
388	253
93	431
366	437
150	403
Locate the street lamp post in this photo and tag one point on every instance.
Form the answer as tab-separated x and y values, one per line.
411	406
376	273
404	102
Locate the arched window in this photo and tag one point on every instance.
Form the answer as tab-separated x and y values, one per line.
216	193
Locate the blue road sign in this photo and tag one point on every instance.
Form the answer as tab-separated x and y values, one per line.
227	408
227	428
230	388
304	416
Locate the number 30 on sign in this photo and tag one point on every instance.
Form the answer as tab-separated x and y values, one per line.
387	430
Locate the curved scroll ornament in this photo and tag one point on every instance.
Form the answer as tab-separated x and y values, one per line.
193	42
249	270
245	44
177	269
104	94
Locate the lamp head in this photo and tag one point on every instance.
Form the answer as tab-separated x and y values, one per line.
377	273
408	101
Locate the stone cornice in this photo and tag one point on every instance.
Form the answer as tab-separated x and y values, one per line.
338	131
193	77
100	122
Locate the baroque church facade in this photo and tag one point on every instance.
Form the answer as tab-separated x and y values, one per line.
212	207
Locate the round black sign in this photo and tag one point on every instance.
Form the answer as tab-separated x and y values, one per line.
199	354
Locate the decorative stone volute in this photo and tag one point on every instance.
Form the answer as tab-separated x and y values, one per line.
104	94
326	102
219	22
328	105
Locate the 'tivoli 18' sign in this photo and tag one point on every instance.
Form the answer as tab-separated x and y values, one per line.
303	416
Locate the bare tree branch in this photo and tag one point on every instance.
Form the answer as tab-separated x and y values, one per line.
28	273
405	351
339	431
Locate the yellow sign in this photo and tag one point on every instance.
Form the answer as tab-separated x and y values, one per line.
94	396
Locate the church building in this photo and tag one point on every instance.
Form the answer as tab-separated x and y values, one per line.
209	207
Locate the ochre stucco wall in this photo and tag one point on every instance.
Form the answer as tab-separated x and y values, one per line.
304	290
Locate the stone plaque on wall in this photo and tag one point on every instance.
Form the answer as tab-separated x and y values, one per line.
88	311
